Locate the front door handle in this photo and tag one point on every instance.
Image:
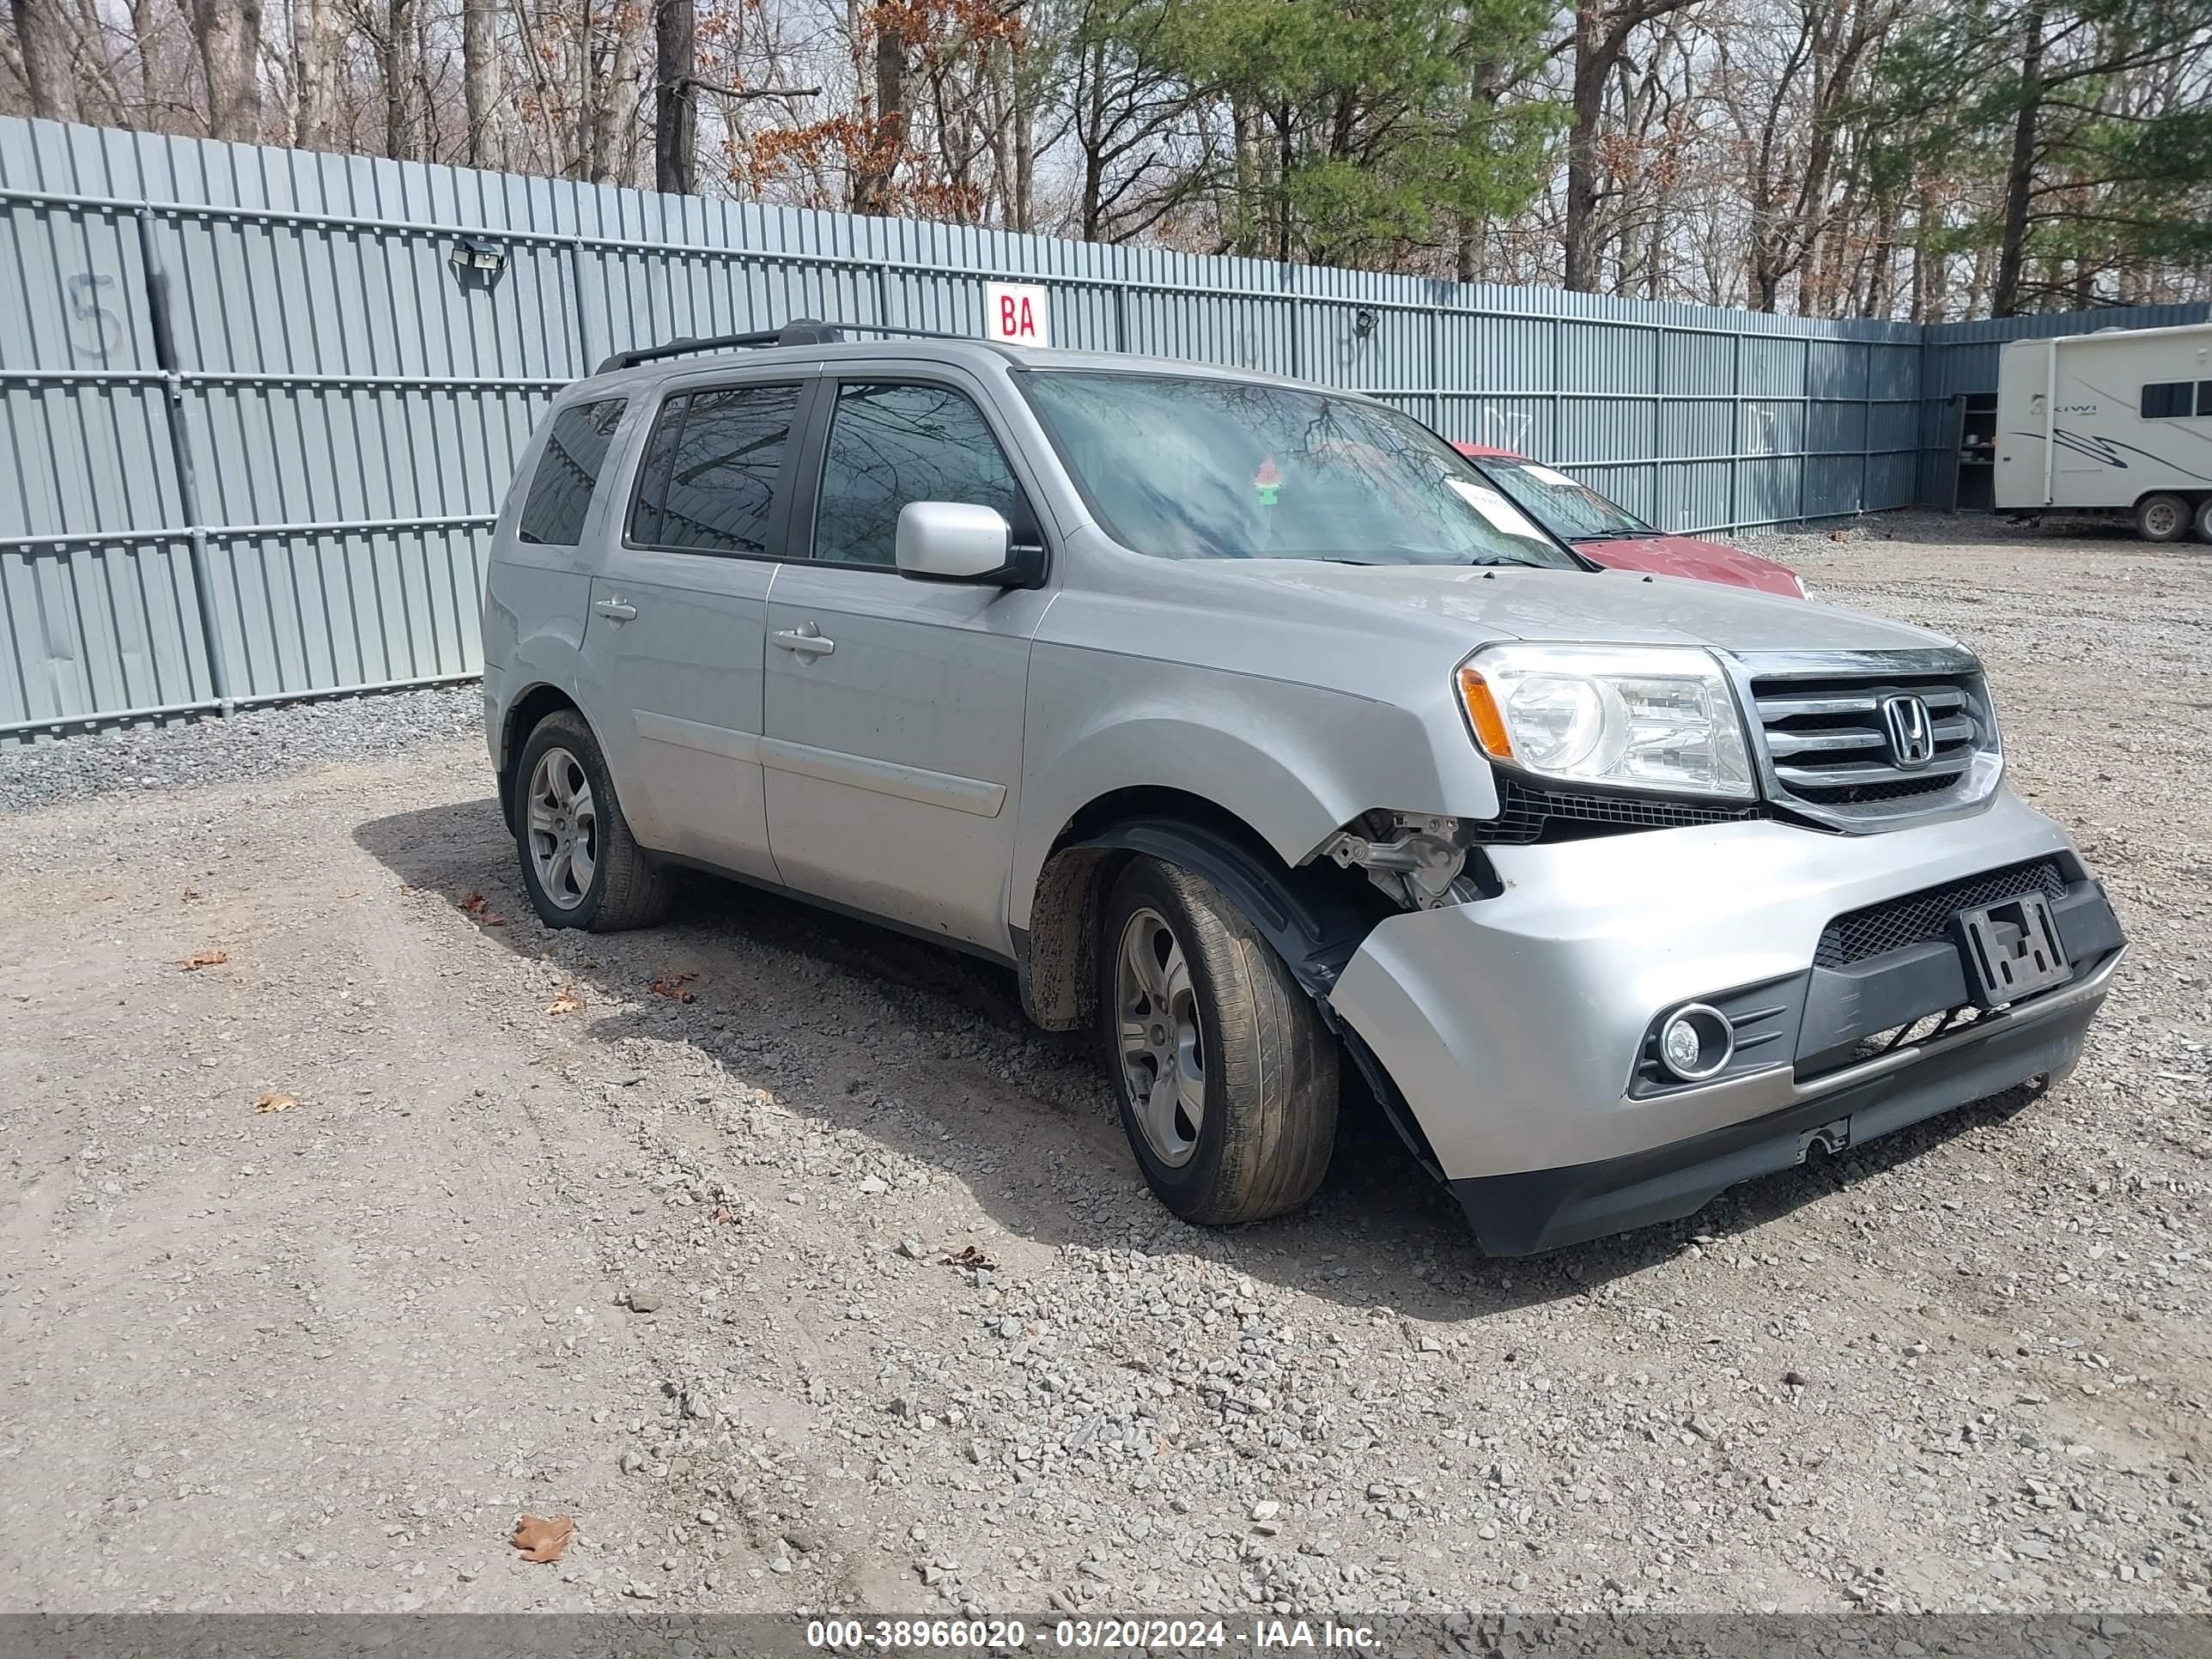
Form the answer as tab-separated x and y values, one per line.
805	639
615	610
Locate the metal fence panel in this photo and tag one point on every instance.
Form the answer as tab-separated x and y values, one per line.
291	495
97	626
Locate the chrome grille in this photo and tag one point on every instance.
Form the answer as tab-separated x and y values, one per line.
1828	748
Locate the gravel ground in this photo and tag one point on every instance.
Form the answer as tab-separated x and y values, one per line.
778	1252
189	753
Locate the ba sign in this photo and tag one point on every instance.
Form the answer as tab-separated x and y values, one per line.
1020	314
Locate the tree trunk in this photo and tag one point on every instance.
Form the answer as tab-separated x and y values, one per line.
228	35
1024	92
1285	157
397	29
675	99
871	184
2019	175
480	79
1247	123
314	73
1090	128
43	34
612	103
1578	243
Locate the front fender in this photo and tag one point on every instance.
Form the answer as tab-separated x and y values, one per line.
1293	763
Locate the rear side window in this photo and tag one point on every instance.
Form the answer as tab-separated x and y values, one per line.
568	472
707	481
2163	400
889	445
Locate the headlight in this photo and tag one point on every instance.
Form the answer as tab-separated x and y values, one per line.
1635	717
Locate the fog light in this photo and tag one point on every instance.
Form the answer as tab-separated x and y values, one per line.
1696	1041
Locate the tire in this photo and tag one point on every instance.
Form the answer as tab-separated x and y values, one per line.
2163	518
2204	520
1245	1040
620	888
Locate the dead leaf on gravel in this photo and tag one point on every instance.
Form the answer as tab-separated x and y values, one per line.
275	1102
971	1257
477	907
204	959
671	986
543	1539
567	1003
189	894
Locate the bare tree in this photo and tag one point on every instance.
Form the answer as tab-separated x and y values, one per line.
42	36
228	35
480	80
1600	34
675	110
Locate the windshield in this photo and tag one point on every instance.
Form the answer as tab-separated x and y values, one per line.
1568	510
1186	467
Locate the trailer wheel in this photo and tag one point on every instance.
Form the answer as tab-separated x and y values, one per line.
2204	520
2162	518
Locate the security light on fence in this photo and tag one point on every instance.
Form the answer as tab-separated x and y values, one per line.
1362	322
485	264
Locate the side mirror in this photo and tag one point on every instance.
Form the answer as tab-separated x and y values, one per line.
958	542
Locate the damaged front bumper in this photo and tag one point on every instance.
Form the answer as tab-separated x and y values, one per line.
1521	1029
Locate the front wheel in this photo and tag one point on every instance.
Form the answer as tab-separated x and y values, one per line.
2204	520
1225	1074
580	863
2162	518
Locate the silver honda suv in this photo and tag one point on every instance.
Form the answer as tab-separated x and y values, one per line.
1261	736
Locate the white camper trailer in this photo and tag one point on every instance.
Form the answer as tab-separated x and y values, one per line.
2118	421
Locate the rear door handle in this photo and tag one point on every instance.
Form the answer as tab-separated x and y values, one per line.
615	610
805	639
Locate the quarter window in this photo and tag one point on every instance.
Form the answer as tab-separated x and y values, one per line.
2163	400
568	472
708	480
889	445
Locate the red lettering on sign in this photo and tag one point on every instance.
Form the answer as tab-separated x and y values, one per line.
1007	321
1029	320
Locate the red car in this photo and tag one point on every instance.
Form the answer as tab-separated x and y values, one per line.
1601	530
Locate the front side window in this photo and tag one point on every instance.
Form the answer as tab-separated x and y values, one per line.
1192	467
2163	400
1568	510
568	472
891	445
707	481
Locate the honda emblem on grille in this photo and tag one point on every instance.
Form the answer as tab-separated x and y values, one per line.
1911	734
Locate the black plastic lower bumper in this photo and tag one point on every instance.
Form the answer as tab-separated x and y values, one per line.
1544	1209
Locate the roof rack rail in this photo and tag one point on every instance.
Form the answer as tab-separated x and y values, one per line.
801	331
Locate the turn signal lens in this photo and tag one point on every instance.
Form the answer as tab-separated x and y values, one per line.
1482	713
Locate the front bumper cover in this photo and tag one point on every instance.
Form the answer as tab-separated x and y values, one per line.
1513	1027
1544	1209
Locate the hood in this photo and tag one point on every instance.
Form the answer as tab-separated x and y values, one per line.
1474	607
1701	560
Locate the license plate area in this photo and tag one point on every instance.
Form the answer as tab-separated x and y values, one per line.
2011	949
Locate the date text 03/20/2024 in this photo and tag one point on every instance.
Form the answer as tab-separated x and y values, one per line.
1141	1635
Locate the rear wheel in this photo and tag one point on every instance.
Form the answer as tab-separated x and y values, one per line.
580	863
1225	1074
2204	520
2163	518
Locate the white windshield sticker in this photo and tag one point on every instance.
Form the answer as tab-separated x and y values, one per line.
1544	475
1501	513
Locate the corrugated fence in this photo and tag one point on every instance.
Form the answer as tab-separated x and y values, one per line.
258	416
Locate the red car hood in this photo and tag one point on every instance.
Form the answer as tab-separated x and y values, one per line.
1686	556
